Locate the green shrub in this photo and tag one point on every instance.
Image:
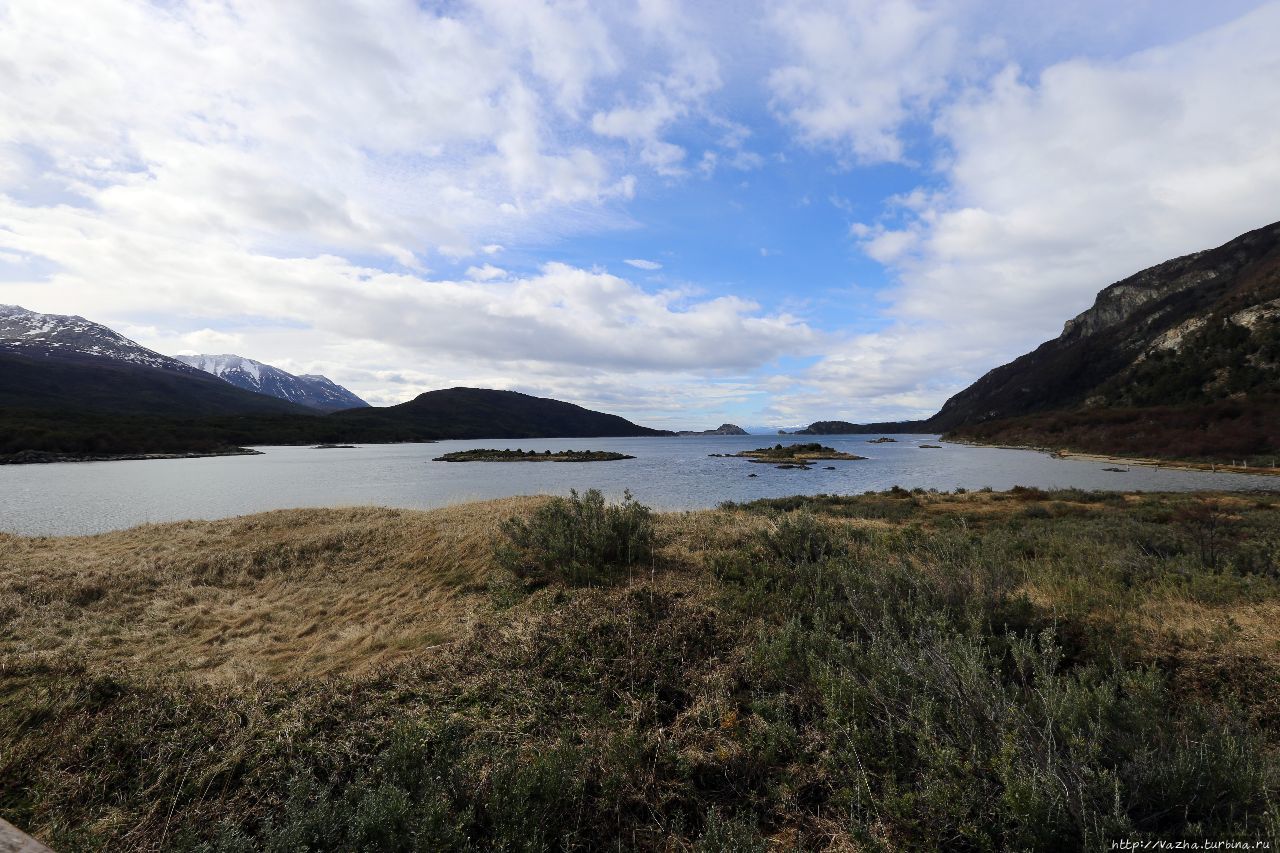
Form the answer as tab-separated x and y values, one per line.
1037	511
578	540
798	537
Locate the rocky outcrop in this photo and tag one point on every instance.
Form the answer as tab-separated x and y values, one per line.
1119	302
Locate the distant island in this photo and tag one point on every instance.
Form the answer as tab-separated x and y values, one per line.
791	455
723	429
518	455
35	457
847	428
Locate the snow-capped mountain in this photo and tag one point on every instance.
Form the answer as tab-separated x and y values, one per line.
62	336
66	363
316	392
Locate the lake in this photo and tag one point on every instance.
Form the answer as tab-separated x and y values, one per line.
667	473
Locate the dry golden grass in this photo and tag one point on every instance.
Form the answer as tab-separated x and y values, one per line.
314	592
290	593
281	594
1225	630
733	655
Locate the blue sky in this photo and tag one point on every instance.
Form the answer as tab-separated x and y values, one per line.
765	213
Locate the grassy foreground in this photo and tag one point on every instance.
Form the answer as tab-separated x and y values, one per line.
895	671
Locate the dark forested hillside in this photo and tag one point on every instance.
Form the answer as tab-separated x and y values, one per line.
81	384
454	413
485	413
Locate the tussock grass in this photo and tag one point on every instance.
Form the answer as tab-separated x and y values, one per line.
287	593
894	671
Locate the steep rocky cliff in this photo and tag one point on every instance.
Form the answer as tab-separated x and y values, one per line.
1195	329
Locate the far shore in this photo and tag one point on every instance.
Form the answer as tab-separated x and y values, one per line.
1173	464
40	457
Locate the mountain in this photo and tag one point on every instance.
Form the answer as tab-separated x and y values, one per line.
69	338
312	391
485	413
68	363
1193	330
1179	360
74	389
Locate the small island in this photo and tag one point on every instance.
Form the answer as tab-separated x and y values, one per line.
518	455
791	455
723	429
884	439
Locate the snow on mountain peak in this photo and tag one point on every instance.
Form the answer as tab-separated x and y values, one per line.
314	391
61	335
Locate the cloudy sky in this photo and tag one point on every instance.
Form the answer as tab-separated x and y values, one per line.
684	213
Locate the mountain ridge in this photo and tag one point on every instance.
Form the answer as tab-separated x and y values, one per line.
1200	331
312	390
73	389
65	362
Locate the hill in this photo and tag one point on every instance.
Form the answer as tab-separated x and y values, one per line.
72	388
1179	360
723	429
436	415
485	413
1193	330
847	428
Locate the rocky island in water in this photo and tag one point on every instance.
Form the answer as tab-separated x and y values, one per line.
518	455
792	455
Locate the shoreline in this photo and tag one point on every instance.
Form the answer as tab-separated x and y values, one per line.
1080	456
39	457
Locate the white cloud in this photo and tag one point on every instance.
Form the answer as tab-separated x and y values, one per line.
562	318
488	272
199	342
567	44
859	69
374	129
1059	184
691	75
249	172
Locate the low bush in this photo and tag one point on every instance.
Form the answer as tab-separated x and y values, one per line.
579	540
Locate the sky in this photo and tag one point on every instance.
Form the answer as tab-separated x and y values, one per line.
764	213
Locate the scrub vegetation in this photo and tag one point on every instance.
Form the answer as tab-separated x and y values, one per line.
904	670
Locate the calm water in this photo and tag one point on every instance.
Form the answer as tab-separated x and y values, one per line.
667	473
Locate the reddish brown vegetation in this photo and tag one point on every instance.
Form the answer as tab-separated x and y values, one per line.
1222	431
